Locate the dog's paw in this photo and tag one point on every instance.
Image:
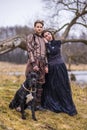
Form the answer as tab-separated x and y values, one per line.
18	109
23	117
35	119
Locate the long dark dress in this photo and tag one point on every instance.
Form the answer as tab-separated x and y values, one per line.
57	95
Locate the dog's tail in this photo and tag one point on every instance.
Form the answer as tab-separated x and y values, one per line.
11	105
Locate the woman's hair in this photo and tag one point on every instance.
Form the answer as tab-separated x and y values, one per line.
39	21
44	31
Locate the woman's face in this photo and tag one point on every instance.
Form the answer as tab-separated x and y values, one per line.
38	28
48	36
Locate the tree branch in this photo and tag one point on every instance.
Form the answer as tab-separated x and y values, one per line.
85	25
65	34
60	28
75	40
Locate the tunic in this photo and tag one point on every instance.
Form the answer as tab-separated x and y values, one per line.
37	55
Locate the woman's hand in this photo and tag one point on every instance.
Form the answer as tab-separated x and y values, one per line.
46	69
45	40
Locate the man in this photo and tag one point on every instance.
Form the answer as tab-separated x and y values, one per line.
37	56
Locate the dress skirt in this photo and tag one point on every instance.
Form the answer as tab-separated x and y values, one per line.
57	95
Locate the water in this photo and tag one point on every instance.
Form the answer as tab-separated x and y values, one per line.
81	76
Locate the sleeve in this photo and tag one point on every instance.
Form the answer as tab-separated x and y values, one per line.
30	48
46	61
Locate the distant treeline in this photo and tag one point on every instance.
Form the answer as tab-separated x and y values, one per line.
75	52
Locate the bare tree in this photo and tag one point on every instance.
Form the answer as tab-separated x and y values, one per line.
69	17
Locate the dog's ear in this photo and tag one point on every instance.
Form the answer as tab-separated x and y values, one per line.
27	80
28	76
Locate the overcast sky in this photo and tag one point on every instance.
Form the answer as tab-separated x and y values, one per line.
19	12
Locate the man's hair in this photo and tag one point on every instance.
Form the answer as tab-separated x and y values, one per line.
39	21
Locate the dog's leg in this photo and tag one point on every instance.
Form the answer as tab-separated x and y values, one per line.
33	110
23	111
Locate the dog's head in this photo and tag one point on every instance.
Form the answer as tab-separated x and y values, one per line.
32	79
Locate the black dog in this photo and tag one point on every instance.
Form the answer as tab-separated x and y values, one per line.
26	95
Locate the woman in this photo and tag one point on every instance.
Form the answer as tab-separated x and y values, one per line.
57	94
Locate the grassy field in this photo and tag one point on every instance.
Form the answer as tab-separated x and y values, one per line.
47	120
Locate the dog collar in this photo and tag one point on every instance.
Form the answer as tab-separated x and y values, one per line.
31	91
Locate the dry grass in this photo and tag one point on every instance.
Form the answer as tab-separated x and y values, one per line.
47	120
8	67
78	67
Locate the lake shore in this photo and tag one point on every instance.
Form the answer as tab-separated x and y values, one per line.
79	67
10	67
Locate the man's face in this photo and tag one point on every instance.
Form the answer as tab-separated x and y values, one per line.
38	28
